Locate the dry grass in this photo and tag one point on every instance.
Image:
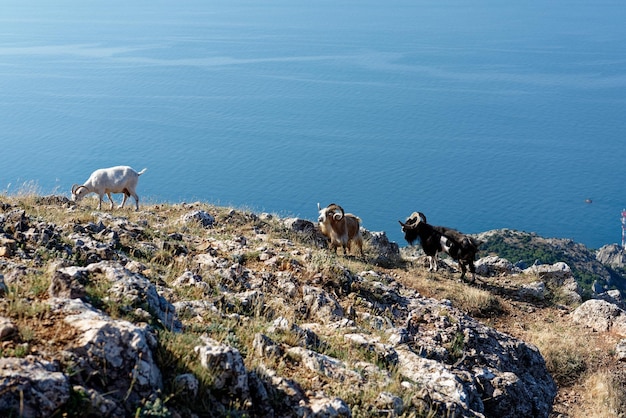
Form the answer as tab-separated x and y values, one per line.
602	397
580	361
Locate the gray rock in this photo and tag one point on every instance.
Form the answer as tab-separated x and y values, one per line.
491	266
199	216
613	296
321	305
30	387
534	290
601	316
555	274
64	285
130	289
324	407
186	385
612	255
7	329
299	225
324	365
113	351
444	388
265	347
381	245
226	365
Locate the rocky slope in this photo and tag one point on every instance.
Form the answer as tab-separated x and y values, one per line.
183	310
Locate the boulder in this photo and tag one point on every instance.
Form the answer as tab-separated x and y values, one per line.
321	305
227	367
534	290
31	387
384	248
7	329
115	353
601	316
612	255
129	289
491	266
200	217
554	274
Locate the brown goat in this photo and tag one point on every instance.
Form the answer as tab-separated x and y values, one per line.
342	229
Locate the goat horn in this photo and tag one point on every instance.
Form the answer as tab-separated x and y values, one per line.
337	216
74	187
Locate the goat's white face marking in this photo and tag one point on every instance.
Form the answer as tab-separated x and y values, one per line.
323	215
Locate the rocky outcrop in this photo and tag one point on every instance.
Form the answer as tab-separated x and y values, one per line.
601	316
31	386
612	255
270	325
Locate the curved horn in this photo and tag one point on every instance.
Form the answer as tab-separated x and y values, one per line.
74	187
415	218
336	216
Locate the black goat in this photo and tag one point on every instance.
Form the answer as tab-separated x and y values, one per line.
416	228
434	239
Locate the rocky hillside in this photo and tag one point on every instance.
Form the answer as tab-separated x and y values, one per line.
196	310
595	271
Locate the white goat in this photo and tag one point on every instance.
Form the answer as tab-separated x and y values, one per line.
120	179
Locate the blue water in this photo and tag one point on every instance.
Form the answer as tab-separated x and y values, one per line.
482	114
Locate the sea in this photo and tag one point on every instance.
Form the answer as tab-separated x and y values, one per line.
481	114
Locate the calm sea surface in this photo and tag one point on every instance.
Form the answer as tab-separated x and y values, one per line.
481	114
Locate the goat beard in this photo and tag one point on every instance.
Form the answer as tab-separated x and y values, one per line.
411	236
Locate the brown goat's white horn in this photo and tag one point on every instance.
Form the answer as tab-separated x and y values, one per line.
337	216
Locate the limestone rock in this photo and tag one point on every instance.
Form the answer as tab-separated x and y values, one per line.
130	289
601	316
612	255
321	305
113	351
553	273
7	329
227	367
199	216
186	384
31	387
534	290
491	266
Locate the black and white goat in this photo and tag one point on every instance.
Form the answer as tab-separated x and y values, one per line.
435	239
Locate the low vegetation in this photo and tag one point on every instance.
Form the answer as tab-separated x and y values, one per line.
590	383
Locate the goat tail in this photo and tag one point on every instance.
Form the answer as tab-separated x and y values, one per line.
142	171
